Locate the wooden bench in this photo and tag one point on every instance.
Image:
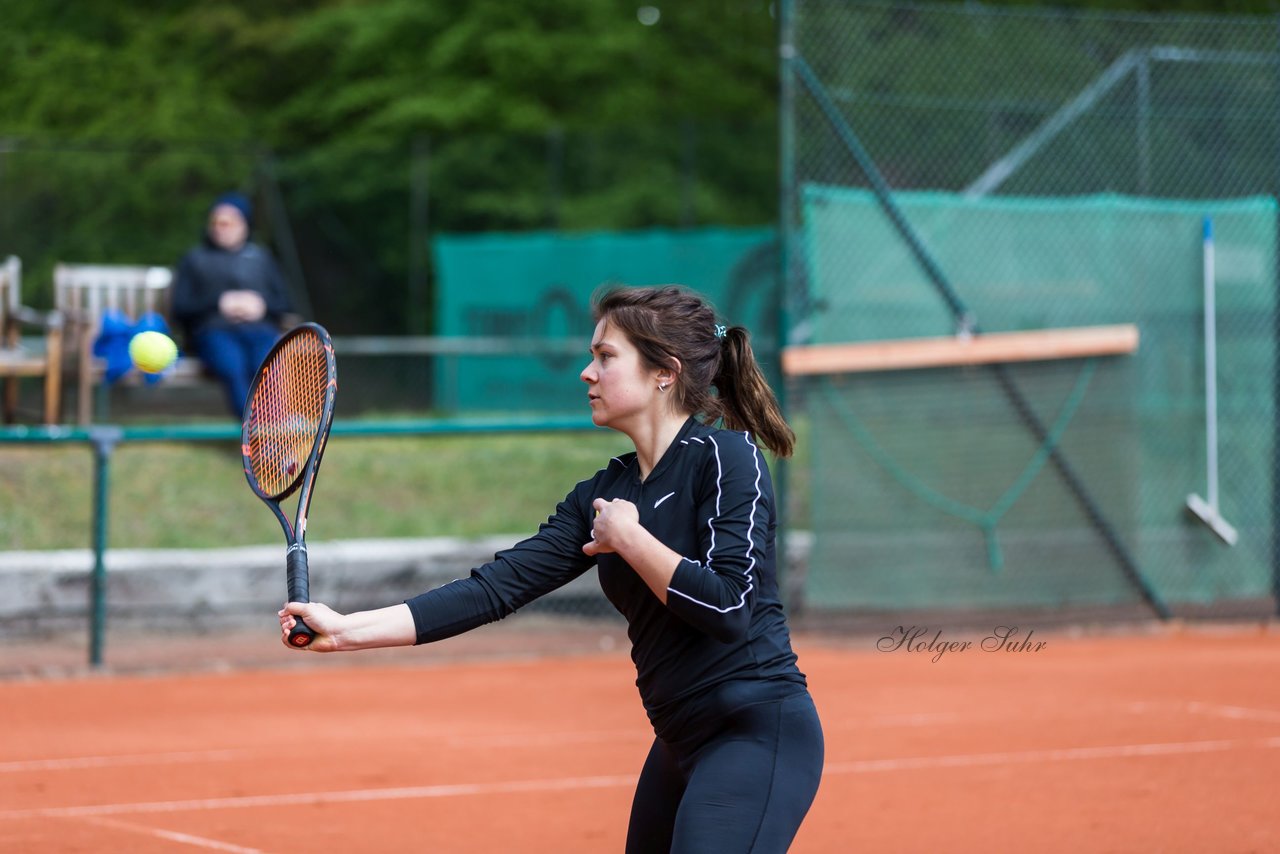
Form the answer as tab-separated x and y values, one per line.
83	292
17	357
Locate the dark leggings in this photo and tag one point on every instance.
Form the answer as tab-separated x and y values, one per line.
745	788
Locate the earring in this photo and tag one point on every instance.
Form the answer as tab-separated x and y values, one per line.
662	387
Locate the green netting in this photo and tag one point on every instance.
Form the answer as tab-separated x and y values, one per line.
930	489
932	493
1030	263
540	285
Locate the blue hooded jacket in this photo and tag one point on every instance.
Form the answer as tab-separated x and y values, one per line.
207	271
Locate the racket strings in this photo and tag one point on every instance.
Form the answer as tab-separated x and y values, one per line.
285	413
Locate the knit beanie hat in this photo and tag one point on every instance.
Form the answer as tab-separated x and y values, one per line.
238	201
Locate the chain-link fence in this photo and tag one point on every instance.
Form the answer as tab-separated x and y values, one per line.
964	168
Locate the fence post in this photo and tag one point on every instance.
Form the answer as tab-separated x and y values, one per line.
419	316
792	594
103	440
1274	533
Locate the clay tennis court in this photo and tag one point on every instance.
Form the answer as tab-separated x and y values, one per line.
1155	738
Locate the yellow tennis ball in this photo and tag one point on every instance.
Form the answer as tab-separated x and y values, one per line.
152	352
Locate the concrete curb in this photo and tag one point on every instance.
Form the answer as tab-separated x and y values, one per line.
44	591
49	591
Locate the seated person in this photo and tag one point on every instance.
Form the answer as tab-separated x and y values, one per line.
229	295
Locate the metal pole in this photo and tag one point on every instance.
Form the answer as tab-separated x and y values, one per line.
1275	397
884	195
786	167
419	262
793	598
689	174
103	440
1144	125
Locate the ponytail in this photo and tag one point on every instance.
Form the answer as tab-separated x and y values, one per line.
746	401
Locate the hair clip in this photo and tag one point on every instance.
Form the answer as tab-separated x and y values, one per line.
720	331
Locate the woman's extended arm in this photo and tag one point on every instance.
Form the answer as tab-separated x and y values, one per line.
516	576
336	632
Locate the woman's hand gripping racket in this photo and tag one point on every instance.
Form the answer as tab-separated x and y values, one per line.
286	423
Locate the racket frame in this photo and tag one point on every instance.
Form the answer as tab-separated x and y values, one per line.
296	571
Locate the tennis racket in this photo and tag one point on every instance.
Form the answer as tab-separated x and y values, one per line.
286	423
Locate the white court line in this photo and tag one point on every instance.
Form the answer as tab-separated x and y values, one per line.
910	719
78	762
319	798
1236	713
1122	751
1196	707
627	780
548	738
499	740
171	836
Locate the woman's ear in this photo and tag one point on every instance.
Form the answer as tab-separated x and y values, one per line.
667	376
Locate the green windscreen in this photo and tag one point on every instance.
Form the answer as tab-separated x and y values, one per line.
539	286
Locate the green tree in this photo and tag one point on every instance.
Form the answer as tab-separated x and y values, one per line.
526	113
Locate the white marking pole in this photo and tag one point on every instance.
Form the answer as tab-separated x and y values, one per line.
1210	364
1207	509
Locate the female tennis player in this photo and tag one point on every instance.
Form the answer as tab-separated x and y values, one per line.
682	532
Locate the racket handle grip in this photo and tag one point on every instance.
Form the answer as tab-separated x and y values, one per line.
299	591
